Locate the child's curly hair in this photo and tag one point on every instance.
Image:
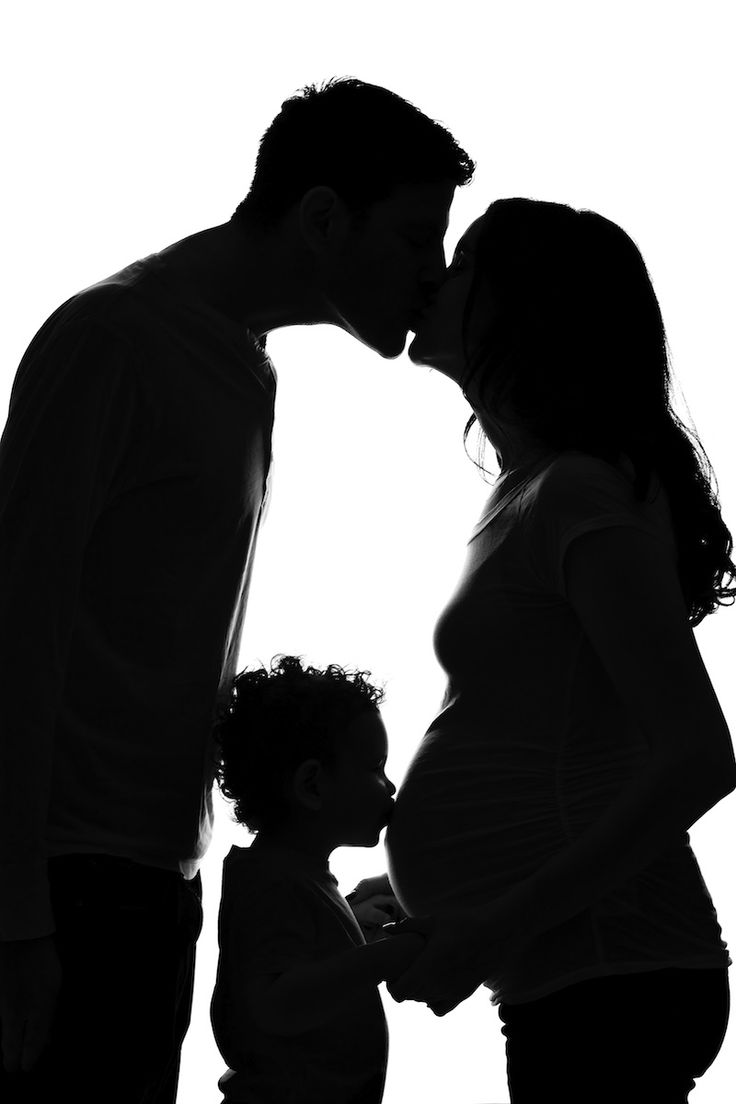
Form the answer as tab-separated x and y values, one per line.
276	719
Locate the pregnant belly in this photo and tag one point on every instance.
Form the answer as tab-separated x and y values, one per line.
469	822
479	812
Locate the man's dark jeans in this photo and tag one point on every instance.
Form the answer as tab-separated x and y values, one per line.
126	936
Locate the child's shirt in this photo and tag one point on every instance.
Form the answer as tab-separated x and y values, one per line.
279	910
533	743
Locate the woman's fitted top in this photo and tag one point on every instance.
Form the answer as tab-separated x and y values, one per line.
532	744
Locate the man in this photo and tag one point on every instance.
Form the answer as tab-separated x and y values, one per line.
133	476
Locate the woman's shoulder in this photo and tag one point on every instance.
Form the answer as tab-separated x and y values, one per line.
573	472
574	461
577	487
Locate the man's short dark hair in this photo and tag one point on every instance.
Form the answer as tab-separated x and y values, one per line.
361	140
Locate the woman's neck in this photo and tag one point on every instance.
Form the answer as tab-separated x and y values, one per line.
515	447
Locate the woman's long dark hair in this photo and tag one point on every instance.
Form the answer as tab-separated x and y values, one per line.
576	346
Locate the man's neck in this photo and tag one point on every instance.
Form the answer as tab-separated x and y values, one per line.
257	279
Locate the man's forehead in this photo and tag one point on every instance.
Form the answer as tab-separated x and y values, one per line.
421	203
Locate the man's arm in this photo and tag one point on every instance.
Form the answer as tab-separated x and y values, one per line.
67	429
69	425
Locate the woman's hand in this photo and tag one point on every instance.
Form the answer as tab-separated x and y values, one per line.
460	953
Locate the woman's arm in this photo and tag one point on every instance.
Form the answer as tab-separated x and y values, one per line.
313	994
623	586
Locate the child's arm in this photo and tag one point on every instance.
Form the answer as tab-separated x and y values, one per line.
313	994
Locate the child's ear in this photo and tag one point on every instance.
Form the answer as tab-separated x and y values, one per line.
308	784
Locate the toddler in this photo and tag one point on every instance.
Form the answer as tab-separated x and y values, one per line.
296	1012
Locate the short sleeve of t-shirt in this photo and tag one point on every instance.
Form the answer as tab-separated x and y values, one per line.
579	494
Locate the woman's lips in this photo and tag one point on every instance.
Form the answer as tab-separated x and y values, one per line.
419	317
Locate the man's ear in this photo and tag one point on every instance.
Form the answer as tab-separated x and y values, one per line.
323	219
308	784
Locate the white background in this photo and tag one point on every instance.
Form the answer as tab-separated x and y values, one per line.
127	126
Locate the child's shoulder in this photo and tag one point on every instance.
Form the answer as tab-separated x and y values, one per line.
252	884
247	862
269	867
237	856
245	870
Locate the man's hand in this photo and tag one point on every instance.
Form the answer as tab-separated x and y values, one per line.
374	904
30	980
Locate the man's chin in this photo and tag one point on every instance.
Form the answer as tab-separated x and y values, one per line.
388	347
392	349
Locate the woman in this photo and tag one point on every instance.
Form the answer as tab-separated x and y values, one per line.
543	820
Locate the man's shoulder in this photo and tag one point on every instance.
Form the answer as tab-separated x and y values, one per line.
125	294
117	307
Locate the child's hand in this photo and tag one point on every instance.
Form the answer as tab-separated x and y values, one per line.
373	914
419	925
373	904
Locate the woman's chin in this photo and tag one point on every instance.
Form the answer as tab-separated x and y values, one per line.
419	353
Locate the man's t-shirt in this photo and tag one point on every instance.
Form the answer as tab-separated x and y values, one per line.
133	476
280	910
533	743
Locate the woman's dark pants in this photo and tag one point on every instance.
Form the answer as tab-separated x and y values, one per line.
628	1039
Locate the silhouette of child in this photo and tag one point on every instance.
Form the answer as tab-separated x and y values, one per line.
296	1012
